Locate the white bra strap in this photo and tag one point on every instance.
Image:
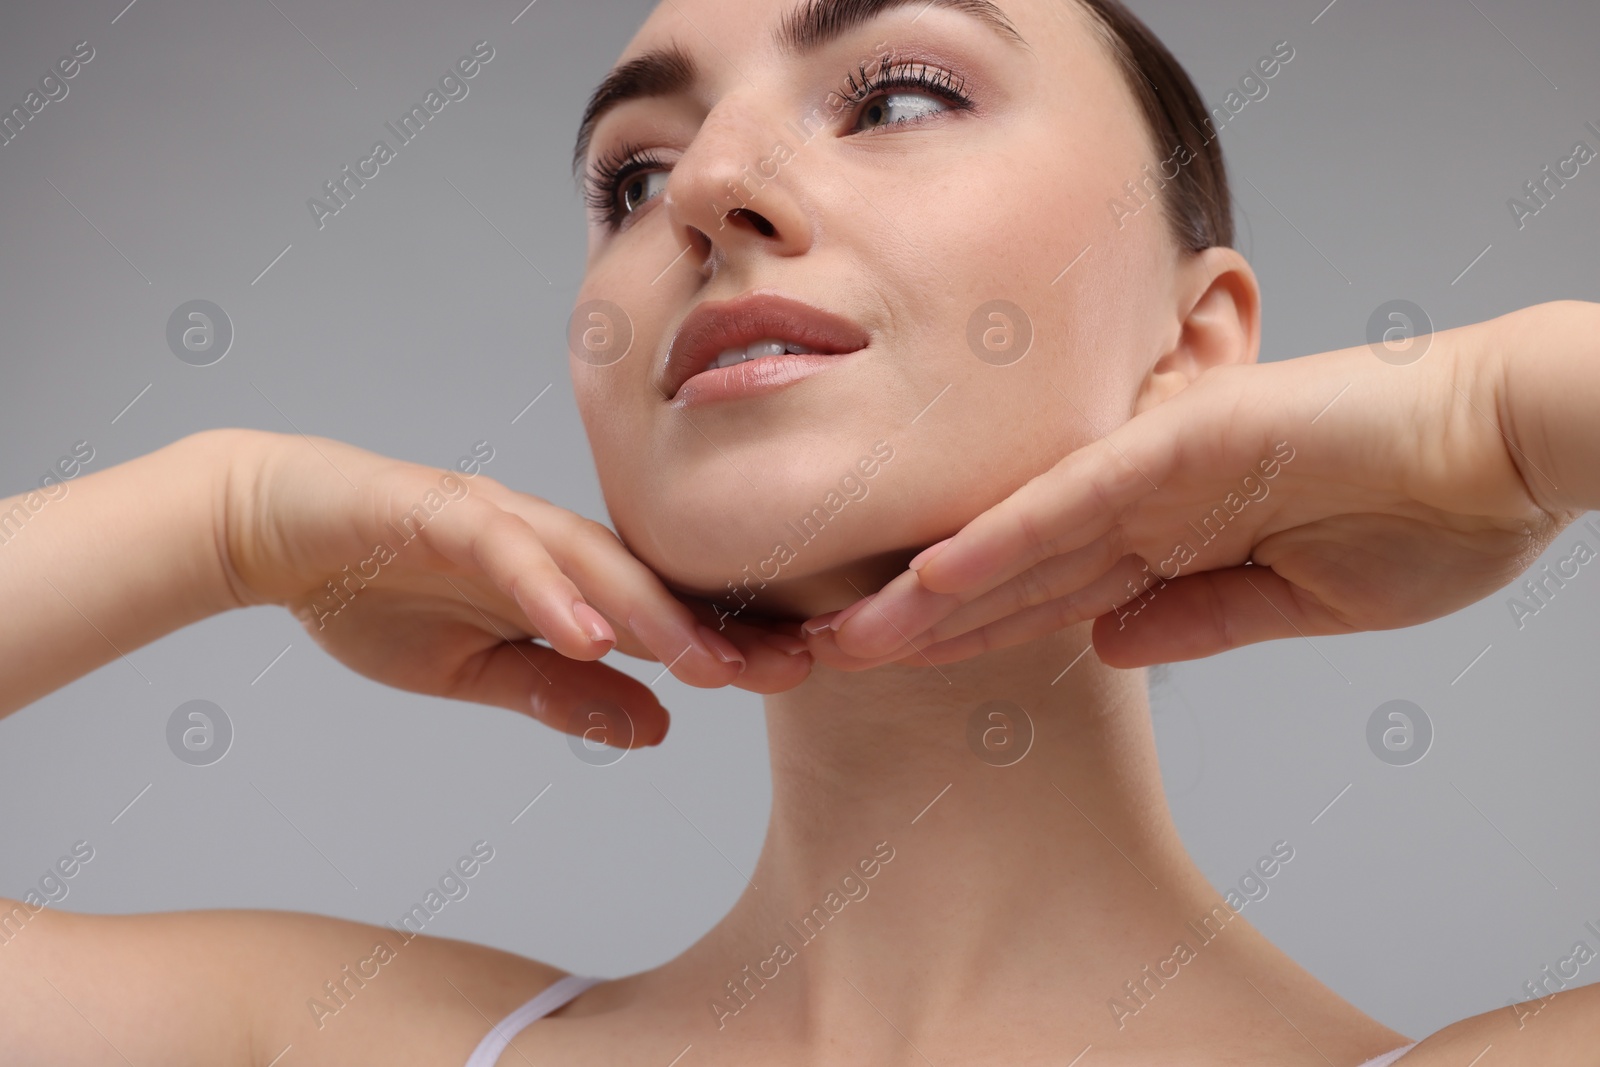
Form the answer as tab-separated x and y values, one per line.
553	997
1389	1057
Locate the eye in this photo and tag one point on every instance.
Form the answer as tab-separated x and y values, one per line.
622	182
639	188
891	109
897	92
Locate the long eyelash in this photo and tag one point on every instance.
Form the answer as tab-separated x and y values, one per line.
606	175
905	74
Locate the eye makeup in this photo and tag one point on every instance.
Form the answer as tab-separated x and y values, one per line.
619	175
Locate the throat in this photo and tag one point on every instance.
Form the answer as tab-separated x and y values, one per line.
903	797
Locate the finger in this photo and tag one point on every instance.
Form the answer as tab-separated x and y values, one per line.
776	657
826	652
878	624
629	598
577	697
1110	592
634	598
1058	511
888	618
1212	611
640	604
508	551
449	653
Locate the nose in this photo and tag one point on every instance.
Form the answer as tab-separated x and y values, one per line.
734	192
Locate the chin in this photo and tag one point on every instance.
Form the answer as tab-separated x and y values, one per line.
783	529
791	597
761	558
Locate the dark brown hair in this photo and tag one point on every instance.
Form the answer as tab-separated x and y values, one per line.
1197	203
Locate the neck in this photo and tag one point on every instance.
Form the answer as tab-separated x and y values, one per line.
954	849
986	816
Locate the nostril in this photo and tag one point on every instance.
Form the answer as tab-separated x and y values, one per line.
763	227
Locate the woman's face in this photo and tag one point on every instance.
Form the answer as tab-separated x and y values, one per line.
902	210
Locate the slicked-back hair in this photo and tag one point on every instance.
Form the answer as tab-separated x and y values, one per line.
1197	203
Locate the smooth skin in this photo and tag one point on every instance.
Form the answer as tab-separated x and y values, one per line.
85	989
1017	902
1413	491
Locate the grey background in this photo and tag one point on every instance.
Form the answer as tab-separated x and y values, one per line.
429	312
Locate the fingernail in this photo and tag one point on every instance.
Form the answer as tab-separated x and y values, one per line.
791	646
921	559
666	724
592	623
839	619
819	624
720	646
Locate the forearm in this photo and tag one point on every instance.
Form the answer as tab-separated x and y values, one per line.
1550	401
120	558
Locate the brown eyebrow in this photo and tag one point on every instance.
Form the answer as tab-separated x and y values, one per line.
815	23
659	72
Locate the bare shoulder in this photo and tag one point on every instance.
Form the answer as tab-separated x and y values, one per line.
240	987
1563	1028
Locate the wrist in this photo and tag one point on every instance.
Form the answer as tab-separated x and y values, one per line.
1547	360
125	556
228	461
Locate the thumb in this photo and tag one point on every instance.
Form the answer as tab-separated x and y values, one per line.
1199	615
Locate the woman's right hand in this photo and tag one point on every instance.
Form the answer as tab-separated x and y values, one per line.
436	582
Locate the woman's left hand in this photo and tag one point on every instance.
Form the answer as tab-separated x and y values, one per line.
1320	495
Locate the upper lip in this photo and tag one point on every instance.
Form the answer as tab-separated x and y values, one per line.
715	326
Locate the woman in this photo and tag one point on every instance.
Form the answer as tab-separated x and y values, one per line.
1096	458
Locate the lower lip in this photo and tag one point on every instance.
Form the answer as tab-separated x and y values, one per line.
754	377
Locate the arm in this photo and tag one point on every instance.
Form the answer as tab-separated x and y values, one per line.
471	578
115	560
1550	401
239	988
469	573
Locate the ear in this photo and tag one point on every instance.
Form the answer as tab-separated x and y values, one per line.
1220	302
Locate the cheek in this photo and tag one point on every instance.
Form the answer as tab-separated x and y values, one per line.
1005	428
611	416
1032	254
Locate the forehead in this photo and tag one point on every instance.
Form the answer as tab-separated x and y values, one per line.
797	26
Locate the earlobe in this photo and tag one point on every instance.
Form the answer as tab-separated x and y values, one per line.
1221	324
